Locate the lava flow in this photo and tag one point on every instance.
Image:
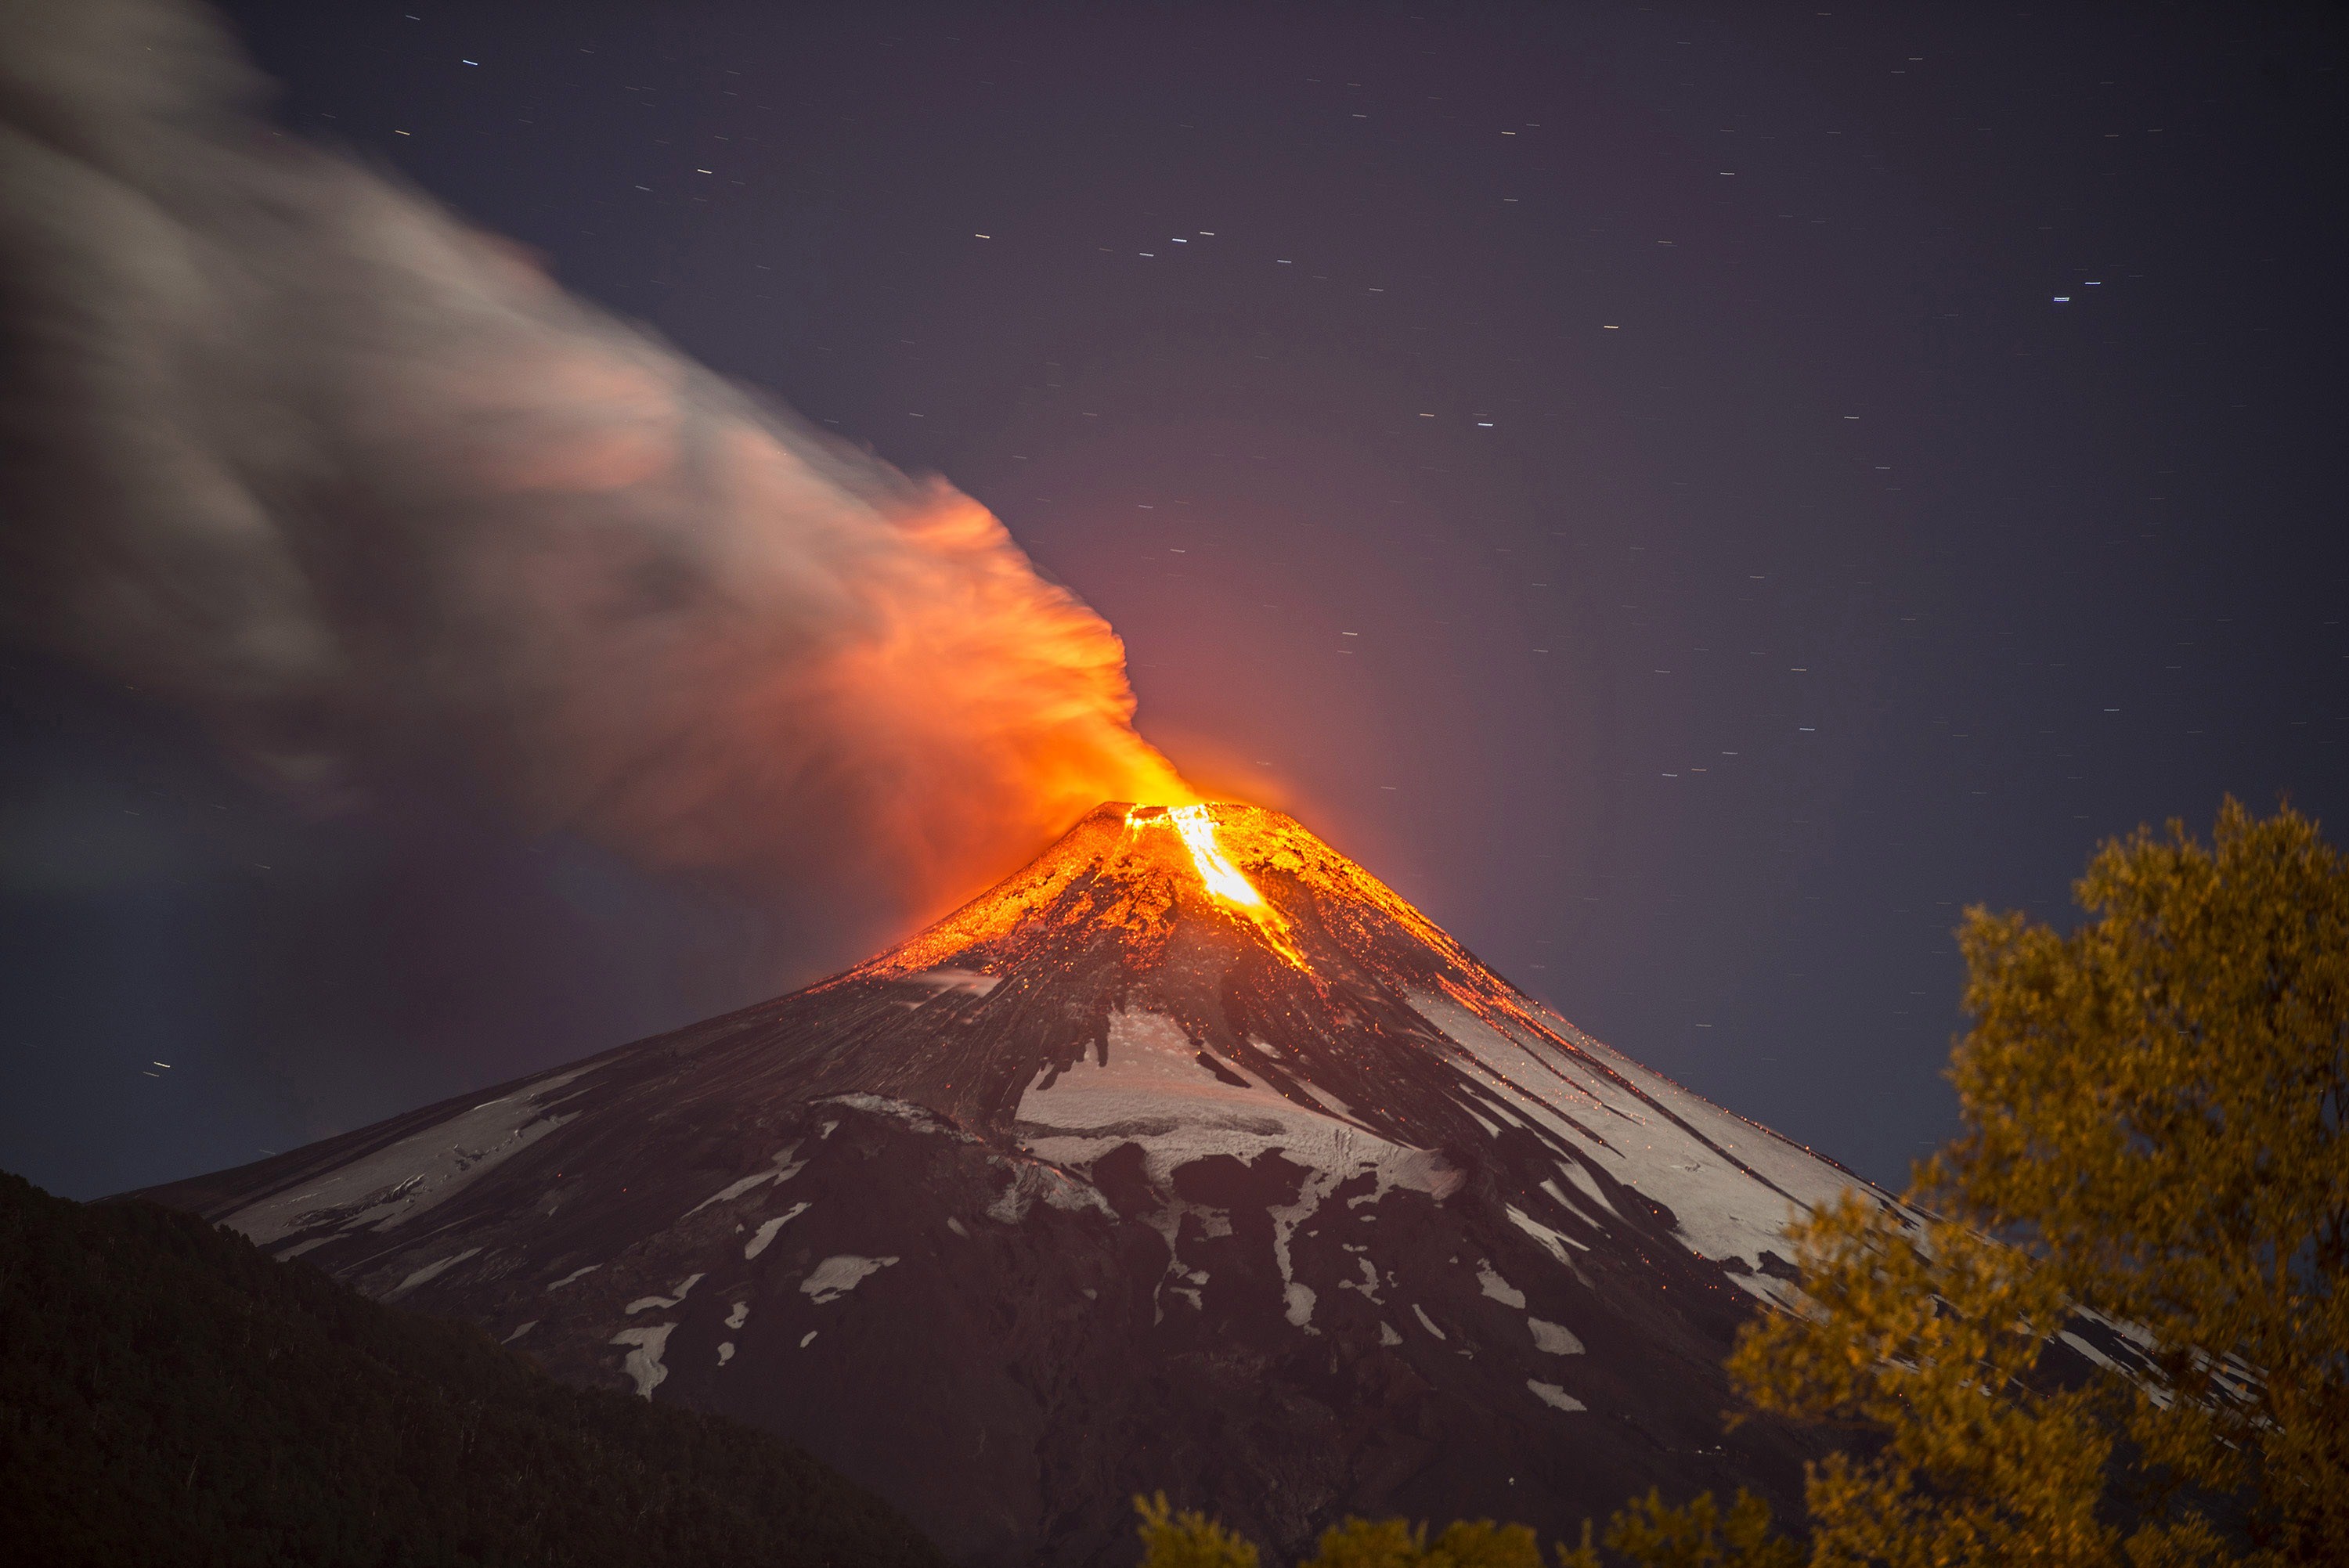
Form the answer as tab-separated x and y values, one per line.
1202	911
1223	880
1138	870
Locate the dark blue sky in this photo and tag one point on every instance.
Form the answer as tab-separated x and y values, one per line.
1693	496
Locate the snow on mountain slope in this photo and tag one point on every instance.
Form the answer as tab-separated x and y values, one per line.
1189	1157
1731	1184
407	1178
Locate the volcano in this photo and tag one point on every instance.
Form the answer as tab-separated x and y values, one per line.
1189	1157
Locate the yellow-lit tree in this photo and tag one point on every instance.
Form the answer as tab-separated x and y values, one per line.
1187	1539
2155	1107
1192	1540
1695	1534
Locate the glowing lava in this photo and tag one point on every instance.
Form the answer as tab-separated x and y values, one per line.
1222	877
1134	872
1223	882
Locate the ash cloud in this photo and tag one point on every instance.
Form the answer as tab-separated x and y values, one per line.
297	448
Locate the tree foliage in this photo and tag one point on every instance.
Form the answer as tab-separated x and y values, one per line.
2154	1107
1648	1532
1187	1539
1393	1544
1697	1535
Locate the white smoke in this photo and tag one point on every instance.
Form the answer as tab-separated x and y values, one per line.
300	450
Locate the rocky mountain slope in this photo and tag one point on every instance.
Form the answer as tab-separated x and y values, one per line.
1191	1156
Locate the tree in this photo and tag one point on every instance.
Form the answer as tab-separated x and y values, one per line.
1192	1540
1187	1539
1392	1543
2154	1109
1696	1535
1648	1532
174	1396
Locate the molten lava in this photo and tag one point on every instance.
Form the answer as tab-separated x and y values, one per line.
1140	874
1223	880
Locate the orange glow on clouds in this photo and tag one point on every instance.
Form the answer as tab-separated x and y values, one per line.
997	701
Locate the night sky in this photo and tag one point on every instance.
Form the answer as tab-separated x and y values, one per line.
1693	496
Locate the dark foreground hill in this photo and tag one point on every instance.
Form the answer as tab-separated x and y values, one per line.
169	1394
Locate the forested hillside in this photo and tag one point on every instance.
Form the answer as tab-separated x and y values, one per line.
169	1395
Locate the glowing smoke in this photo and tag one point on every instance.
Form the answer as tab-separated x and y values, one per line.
297	448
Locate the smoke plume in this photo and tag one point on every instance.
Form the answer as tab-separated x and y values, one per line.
297	448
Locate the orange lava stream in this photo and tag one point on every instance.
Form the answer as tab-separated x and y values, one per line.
1223	882
1222	877
1130	868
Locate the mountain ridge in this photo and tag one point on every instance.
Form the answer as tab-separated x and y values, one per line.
1188	1157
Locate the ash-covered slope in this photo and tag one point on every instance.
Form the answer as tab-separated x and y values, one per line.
1191	1156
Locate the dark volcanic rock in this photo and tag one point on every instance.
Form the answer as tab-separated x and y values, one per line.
1190	1158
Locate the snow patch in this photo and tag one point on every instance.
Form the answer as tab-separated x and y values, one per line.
574	1274
1426	1322
1586	1185
920	1117
517	1333
739	1315
1313	1091
965	980
682	1288
1769	1288
808	1338
1285	1221
1554	1241
1555	1397
766	1231
1554	1339
1300	1309
1154	1090
2154	1391
1730	1185
428	1273
1387	1335
732	1191
1499	1289
725	1352
1492	1129
410	1175
1369	1283
1033	1181
836	1276
1556	1195
644	1361
785	1167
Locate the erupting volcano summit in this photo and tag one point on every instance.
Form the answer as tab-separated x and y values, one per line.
1189	1157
